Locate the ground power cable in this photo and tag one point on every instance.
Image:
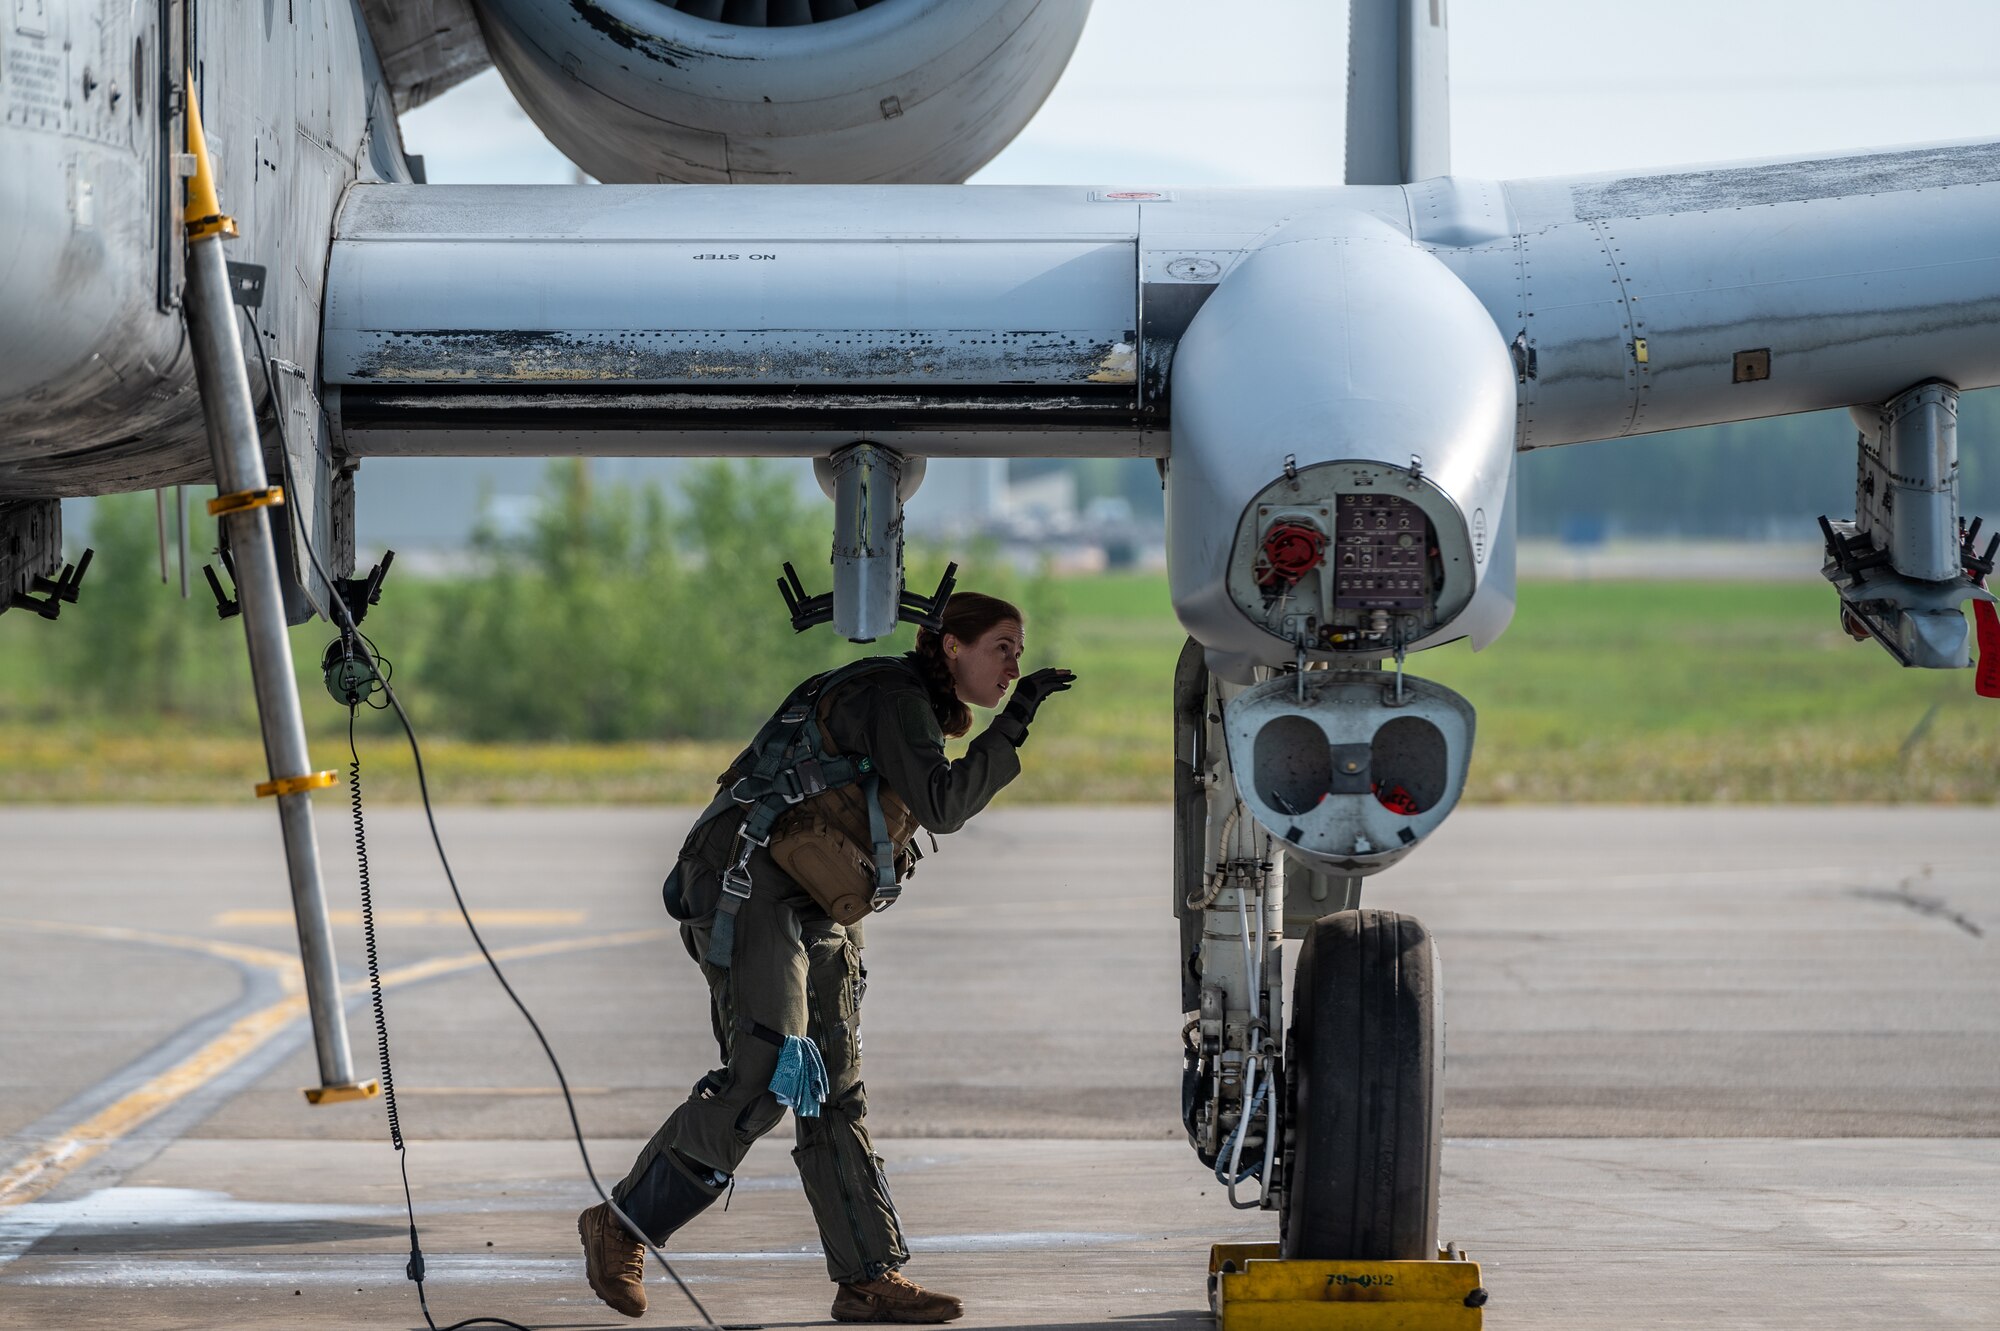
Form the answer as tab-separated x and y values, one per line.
346	624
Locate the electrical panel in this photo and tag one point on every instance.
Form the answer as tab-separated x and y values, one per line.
1383	551
1352	557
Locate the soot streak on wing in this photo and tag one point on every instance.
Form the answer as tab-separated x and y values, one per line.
1788	182
697	356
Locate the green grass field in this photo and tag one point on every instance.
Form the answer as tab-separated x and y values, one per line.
1618	692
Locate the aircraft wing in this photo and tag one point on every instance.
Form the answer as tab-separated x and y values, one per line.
1640	302
1046	319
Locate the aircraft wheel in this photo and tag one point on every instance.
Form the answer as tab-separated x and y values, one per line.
1364	1062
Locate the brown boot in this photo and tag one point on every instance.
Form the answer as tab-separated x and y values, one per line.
894	1299
614	1261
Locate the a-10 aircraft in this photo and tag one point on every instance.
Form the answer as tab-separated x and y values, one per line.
1334	382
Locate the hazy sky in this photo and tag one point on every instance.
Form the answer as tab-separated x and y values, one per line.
1249	92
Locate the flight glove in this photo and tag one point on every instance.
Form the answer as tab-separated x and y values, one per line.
1029	694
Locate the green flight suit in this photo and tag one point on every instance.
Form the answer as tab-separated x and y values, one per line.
794	971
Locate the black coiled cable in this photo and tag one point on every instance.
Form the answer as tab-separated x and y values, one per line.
414	1268
368	936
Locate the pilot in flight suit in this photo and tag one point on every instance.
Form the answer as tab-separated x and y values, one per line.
795	970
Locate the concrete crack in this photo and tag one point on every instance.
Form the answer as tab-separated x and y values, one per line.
1936	908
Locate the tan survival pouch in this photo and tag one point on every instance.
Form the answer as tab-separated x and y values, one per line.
826	844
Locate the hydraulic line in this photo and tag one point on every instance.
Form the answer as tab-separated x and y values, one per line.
415	1269
1256	1094
1212	887
1249	954
1252	1104
1270	1141
1273	1017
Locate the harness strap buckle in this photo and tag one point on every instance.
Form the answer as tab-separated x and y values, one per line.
736	878
758	822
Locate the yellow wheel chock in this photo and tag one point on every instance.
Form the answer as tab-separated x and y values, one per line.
1250	1288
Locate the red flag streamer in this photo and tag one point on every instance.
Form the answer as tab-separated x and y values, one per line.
1986	679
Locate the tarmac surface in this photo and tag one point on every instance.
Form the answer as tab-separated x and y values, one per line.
1706	1067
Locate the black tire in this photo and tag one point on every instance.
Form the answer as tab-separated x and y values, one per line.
1364	1060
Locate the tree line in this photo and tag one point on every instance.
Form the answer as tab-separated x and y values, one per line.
621	614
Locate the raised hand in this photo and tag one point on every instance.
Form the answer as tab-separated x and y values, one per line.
1032	690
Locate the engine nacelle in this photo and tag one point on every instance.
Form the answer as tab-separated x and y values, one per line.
1342	474
781	91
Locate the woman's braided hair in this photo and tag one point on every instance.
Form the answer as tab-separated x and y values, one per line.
968	616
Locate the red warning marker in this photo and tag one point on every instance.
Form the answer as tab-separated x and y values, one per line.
1986	679
1396	799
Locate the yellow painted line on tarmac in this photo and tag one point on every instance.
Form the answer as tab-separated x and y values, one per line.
436	966
53	1160
285	965
49	1162
407	919
500	1090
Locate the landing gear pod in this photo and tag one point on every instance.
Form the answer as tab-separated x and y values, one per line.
1350	769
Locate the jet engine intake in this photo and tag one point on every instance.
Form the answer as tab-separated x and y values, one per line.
787	91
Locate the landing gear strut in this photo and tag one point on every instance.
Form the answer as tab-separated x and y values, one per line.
1337	773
